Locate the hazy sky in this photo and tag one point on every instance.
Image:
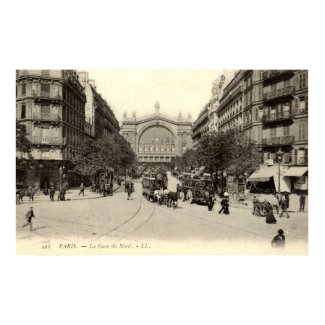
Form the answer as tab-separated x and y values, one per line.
138	90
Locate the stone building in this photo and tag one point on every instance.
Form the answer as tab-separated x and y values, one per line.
271	107
51	105
157	138
99	117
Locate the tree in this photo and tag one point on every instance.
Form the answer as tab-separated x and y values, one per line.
214	151
23	145
88	161
189	159
245	156
24	158
98	155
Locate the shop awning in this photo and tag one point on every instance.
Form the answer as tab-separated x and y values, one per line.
296	171
263	174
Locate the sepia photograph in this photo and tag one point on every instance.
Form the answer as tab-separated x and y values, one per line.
166	161
162	162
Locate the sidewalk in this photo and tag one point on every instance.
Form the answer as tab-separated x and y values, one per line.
71	194
248	204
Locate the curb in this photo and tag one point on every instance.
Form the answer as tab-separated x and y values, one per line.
76	199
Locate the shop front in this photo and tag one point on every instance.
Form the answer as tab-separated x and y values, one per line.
298	178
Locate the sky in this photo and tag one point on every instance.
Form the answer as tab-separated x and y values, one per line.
185	91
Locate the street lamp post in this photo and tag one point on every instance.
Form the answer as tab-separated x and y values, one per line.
279	155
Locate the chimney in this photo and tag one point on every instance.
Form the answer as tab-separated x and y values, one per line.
83	78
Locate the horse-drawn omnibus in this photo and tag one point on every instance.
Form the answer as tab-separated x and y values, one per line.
202	191
149	186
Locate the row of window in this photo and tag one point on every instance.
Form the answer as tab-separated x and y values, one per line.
72	117
156	149
73	100
150	158
295	156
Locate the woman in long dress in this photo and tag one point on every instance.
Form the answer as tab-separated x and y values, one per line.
270	218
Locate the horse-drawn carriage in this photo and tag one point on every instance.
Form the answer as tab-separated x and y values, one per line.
149	186
202	191
197	189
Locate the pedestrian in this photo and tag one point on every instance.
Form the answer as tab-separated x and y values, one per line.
29	215
52	193
284	207
82	189
256	202
286	195
111	189
279	240
224	204
211	201
270	216
302	201
129	191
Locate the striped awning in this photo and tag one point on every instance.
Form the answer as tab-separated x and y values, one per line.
296	172
263	174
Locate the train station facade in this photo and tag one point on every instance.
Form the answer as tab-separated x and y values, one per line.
157	138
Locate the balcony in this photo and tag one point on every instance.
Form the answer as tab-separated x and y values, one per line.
279	93
45	95
50	141
278	141
39	73
47	118
276	118
270	76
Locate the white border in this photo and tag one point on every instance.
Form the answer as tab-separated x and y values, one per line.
162	34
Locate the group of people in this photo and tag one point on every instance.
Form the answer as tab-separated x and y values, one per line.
276	202
224	203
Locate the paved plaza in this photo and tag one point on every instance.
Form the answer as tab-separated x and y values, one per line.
115	225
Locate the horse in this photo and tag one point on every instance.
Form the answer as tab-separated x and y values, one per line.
30	193
158	196
189	195
172	199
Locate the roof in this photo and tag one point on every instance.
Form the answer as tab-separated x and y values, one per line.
263	174
296	171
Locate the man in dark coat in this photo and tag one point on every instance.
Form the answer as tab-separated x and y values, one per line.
302	201
129	191
224	206
279	240
284	207
82	189
286	195
52	192
211	201
29	215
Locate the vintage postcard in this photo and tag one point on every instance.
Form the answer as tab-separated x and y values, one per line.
155	162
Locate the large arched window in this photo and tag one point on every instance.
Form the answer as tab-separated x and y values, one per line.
157	137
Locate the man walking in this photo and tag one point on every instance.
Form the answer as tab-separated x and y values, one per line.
224	205
284	207
29	215
302	201
82	189
52	192
129	191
